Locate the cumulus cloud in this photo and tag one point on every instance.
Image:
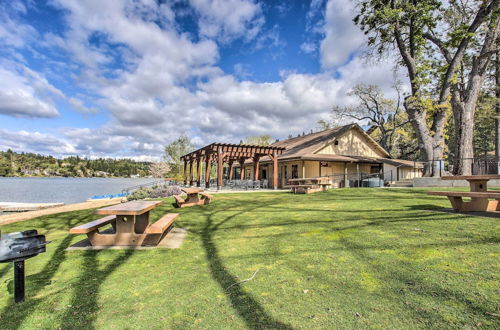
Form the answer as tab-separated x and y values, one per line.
342	37
34	142
156	82
79	106
226	20
24	94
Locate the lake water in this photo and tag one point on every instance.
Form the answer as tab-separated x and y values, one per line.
63	190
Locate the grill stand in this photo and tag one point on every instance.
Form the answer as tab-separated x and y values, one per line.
19	281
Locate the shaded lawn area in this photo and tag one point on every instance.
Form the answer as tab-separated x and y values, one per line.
355	258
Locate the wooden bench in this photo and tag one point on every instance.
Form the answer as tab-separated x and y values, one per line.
194	197
93	225
479	200
156	231
179	200
206	197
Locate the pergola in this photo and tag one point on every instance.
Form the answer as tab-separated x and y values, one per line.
221	153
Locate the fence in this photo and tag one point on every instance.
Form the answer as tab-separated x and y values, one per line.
478	165
356	180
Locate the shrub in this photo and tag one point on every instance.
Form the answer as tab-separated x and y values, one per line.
156	192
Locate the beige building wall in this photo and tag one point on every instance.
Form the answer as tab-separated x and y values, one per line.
352	143
405	172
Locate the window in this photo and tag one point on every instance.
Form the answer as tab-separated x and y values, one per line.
336	142
286	174
295	171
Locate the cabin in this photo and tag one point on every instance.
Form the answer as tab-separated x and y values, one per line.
345	154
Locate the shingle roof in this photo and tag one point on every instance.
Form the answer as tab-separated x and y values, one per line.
304	146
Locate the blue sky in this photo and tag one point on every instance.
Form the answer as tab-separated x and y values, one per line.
124	78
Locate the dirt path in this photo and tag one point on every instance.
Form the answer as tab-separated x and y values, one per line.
22	216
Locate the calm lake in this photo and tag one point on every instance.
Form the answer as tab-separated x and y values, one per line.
63	190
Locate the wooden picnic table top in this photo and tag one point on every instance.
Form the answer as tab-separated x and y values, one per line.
130	208
191	191
472	177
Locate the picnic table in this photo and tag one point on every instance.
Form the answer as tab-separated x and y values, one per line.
130	222
479	194
195	196
308	185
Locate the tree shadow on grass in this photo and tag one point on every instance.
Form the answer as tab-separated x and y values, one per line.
84	307
411	282
40	281
252	313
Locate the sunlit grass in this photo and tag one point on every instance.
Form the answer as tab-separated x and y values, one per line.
347	258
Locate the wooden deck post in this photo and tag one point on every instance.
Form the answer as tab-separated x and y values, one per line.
185	172
191	176
256	168
198	171
345	175
207	170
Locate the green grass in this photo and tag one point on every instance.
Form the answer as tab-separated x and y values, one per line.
346	258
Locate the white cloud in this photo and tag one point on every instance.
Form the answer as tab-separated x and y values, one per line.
226	20
79	106
23	93
157	82
342	37
34	142
308	47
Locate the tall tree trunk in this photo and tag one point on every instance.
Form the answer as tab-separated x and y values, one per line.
497	119
431	143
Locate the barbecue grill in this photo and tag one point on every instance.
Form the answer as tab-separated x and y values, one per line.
17	247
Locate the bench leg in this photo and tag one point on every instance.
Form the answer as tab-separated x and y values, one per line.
154	239
98	239
494	205
475	205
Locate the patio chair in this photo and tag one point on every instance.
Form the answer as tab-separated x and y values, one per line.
265	184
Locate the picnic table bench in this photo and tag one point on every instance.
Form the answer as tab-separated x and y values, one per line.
308	185
195	196
479	194
130	222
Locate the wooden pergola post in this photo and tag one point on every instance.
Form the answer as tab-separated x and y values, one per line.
230	170
185	172
256	168
274	158
191	176
242	168
208	164
198	171
220	169
218	152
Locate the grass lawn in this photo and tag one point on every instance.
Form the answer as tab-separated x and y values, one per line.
346	258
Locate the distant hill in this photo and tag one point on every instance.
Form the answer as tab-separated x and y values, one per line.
30	164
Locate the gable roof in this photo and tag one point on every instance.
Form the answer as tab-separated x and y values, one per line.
306	146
